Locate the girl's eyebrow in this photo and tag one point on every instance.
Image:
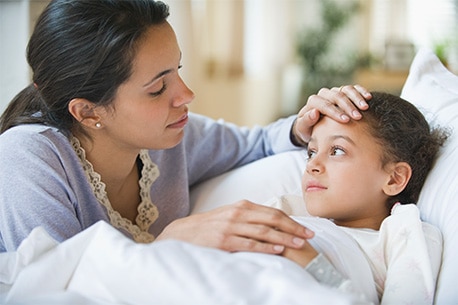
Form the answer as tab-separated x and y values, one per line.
346	138
335	137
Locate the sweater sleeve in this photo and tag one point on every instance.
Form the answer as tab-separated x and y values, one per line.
214	147
324	272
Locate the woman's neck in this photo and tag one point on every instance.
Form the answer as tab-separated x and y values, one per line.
119	172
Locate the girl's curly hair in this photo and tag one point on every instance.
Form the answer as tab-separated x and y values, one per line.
405	136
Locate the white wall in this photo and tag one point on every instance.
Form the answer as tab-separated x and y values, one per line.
14	34
17	19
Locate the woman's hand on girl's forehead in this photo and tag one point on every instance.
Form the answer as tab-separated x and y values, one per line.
339	103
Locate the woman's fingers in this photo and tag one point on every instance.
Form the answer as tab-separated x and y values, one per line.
353	96
235	243
252	213
243	226
262	238
341	103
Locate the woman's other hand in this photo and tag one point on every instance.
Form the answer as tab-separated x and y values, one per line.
340	103
243	226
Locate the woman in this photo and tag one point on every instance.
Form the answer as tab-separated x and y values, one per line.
104	133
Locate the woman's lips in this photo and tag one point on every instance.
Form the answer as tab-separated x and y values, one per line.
181	122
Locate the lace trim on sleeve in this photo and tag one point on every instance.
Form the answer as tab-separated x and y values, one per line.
147	211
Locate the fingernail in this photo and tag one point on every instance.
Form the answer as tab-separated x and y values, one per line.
345	117
298	241
356	114
309	232
312	115
278	248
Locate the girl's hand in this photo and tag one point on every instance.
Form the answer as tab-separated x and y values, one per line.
243	226
340	103
302	256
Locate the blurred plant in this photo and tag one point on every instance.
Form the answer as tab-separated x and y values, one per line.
314	45
441	49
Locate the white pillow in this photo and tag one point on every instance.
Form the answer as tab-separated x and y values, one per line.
434	90
257	181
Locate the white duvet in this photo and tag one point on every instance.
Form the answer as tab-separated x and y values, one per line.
102	266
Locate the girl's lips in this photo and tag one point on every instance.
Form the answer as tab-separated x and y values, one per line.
313	187
181	122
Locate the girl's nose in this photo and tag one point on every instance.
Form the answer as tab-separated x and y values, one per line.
314	165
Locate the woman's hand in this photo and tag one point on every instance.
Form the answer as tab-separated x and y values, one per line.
243	226
341	104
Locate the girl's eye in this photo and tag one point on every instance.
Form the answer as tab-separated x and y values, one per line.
337	151
310	154
160	91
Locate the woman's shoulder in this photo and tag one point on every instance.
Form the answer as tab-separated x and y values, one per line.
32	137
27	131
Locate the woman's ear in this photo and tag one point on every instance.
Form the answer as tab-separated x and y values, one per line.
399	176
84	112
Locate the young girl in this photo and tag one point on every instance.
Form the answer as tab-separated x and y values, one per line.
365	176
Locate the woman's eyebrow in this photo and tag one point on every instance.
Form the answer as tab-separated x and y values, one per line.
161	74
158	76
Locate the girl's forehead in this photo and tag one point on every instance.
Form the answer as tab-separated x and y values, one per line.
357	131
327	125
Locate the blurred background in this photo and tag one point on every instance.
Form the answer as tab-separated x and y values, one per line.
252	61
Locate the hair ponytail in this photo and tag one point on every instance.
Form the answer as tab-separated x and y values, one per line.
24	108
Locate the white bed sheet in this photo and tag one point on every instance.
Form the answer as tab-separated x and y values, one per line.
102	266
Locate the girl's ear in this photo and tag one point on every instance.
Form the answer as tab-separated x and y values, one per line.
84	112
399	176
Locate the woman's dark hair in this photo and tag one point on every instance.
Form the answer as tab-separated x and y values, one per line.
80	49
405	136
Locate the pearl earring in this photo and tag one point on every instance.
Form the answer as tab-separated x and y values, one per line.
98	125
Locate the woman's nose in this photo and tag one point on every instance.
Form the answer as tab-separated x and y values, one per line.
185	96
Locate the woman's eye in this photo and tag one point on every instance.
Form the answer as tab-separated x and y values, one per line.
160	91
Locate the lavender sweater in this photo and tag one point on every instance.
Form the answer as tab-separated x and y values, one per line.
42	182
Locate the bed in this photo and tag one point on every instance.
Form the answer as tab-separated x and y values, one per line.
101	266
